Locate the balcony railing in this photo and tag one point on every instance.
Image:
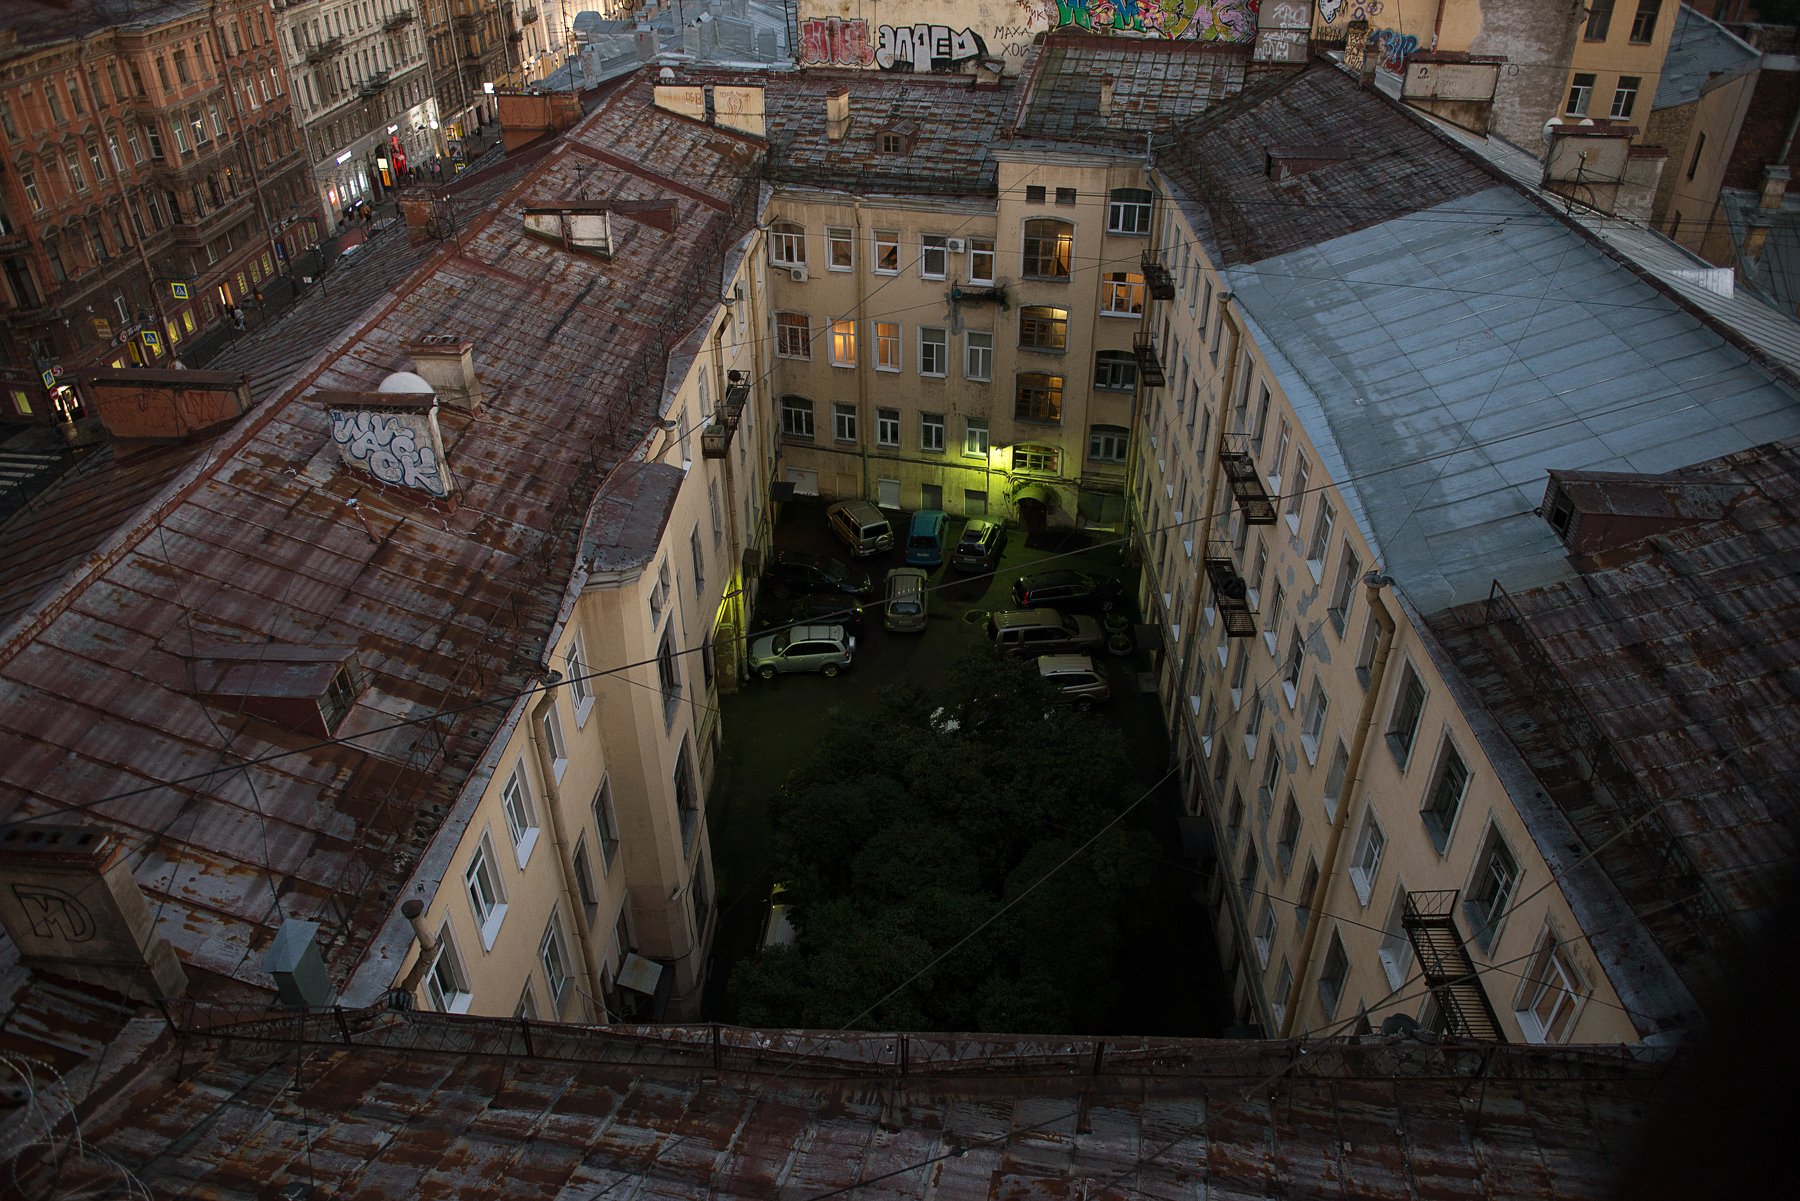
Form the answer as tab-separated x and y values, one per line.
1230	593
398	21
529	16
1246	482
1162	284
1149	364
1463	1006
318	52
715	439
374	85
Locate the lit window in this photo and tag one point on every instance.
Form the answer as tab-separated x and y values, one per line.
1049	249
843	342
887	346
1122	294
1037	460
1038	397
1043	328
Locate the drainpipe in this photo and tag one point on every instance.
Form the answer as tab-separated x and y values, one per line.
414	911
560	842
1374	581
865	359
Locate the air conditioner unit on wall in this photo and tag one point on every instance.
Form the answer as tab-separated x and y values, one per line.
798	274
955	245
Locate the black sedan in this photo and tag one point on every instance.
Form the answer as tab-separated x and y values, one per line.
827	609
1068	592
793	574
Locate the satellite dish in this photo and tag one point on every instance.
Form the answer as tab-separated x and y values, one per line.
405	381
666	73
1550	128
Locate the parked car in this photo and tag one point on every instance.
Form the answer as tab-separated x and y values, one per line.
904	612
925	540
861	527
825	608
1076	679
824	649
791	573
1041	632
980	546
1068	592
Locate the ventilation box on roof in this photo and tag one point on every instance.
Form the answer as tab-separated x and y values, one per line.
392	436
583	227
305	688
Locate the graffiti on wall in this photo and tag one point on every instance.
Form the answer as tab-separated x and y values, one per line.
395	448
845	42
1185	20
1355	10
1393	47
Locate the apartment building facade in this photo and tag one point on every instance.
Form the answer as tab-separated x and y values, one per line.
154	181
364	95
1342	451
1618	60
473	47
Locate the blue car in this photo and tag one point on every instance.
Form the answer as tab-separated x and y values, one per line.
925	540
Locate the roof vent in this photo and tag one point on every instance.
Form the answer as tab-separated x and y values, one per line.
1282	163
1598	513
585	228
73	908
391	436
298	968
307	688
445	364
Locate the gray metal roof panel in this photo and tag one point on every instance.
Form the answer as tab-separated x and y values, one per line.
1443	464
1699	49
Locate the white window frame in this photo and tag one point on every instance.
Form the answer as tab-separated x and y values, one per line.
934	256
839	238
1102	439
1365	864
931	432
843	336
796	417
887	346
787	244
558	969
1266	925
981	260
581	689
606	825
934	349
1122	294
1552	976
978	356
843	422
521	813
551	724
458	996
1440	819
975	437
488	903
887	427
1132	212
887	245
787	330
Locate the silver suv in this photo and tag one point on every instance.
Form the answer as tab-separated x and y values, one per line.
1041	632
861	527
1077	681
824	649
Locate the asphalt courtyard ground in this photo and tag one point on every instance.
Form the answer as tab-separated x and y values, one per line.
1174	986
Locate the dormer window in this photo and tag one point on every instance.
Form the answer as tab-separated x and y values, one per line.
891	143
312	689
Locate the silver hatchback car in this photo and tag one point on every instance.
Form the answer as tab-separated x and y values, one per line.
824	649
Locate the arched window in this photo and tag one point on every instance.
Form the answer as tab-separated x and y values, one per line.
1049	247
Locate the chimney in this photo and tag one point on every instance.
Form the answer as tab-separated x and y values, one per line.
1774	187
73	909
447	363
645	43
1106	96
1756	233
837	112
416	205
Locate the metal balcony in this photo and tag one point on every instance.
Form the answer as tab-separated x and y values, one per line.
398	21
1463	1006
1162	284
1150	367
318	52
715	439
1231	594
374	85
1246	482
528	16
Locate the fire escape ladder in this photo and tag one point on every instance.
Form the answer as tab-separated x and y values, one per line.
1162	284
1247	488
1463	1006
715	439
1230	593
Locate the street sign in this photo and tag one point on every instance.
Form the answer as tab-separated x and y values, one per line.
152	339
178	291
49	379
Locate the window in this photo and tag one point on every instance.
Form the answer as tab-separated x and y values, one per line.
96	164
934	351
931	431
981	260
843	422
1497	874
607	823
978	355
486	900
521	814
1293	665
181	67
1249	872
787	244
1115	371
1289	836
1599	20
1395	951
840	249
887	346
553	953
1107	443
584	881
180	131
558	750
528	1004
1043	328
1309	884
796	417
1284	984
1409	707
32	196
1581	92
1335	779
446	983
76	176
1128	211
668	674
1313	729
154	137
1332	975
1122	294
887	252
1366	861
699	560
1449	784
1049	248
1066	196
1694	163
1551	995
975	436
1625	96
1321	537
1265	932
1643	25
887	427
700	900
687	805
793	336
934	256
136	146
1034	194
1038	397
1037	460
1349	571
843	342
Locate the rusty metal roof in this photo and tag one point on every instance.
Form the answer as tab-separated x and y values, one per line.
1656	692
1155	84
429	1106
261	548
